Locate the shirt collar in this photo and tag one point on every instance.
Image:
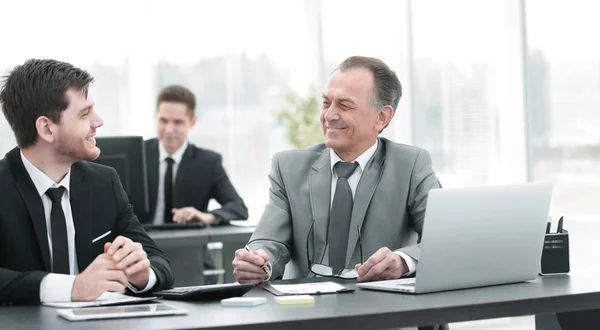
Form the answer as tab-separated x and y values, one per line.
362	160
177	155
41	181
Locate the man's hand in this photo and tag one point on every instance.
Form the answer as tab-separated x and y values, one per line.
247	266
191	214
100	276
130	258
382	265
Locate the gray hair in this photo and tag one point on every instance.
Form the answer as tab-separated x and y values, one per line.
388	89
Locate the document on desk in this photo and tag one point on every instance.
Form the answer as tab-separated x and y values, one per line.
105	299
309	288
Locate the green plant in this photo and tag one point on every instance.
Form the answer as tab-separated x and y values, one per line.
300	117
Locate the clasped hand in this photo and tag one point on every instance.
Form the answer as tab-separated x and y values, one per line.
122	262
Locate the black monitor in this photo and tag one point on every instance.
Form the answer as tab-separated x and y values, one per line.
127	156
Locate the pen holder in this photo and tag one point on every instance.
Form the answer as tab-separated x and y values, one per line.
555	254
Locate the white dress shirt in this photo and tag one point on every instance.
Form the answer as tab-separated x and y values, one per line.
159	217
58	287
353	180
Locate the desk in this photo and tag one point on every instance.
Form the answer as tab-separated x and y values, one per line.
359	310
185	250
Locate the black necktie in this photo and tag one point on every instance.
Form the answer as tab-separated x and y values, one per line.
169	190
339	216
58	225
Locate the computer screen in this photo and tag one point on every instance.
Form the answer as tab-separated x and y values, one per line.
127	156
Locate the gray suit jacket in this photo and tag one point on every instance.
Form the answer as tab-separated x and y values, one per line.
389	206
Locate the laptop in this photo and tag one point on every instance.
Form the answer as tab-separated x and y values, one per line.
474	237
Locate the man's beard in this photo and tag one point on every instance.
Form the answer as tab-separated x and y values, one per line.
73	148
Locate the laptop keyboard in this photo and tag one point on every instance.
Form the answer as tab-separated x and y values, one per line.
199	288
183	290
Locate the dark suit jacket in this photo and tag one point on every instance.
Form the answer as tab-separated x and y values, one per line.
98	204
199	178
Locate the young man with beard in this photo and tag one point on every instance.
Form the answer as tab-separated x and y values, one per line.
67	230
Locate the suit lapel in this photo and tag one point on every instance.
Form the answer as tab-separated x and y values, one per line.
186	164
320	196
152	167
364	192
32	201
81	209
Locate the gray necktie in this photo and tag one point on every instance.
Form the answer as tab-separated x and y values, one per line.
339	216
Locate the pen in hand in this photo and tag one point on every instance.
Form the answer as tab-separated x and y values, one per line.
264	267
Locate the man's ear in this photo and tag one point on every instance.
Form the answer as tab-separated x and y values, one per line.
384	116
194	119
45	129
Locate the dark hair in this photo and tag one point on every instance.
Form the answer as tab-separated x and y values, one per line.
38	88
180	94
388	89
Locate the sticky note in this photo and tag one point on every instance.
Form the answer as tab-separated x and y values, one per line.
295	300
243	301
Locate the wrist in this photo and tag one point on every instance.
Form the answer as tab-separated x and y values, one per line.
207	218
212	219
408	262
198	216
140	282
403	266
75	296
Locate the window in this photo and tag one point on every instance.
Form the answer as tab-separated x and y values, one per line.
462	61
238	63
379	29
563	86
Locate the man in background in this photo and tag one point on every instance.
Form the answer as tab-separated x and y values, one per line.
183	178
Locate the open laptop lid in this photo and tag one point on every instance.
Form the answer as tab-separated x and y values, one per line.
482	236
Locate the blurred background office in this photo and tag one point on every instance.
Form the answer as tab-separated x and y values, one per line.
498	91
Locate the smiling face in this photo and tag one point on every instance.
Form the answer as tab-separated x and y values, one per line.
349	123
77	127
